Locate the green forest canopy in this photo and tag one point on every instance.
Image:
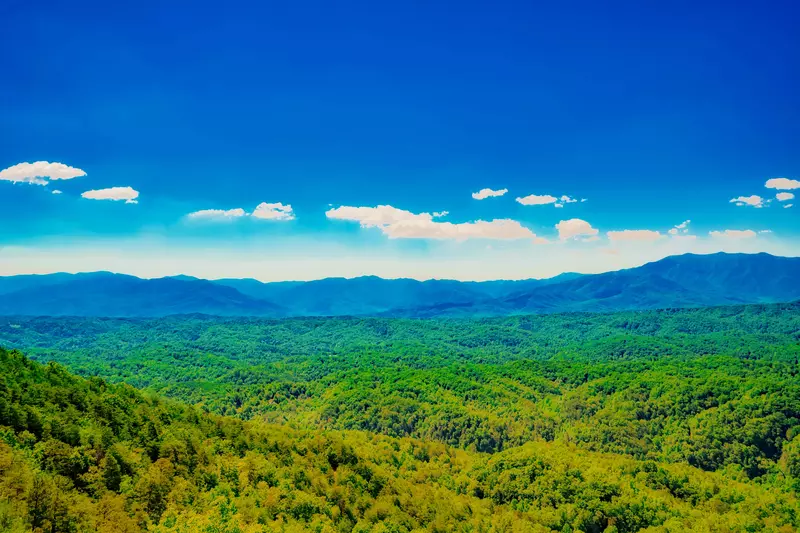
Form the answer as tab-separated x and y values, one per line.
677	419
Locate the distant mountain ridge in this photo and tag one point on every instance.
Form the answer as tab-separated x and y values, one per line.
677	281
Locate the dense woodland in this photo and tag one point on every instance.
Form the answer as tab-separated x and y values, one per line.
676	420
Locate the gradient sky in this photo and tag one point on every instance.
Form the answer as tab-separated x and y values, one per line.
173	121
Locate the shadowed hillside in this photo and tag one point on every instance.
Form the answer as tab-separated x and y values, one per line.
680	281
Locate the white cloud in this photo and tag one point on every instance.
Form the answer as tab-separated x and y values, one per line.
217	214
487	193
545	199
680	238
634	235
683	227
500	229
574	228
263	211
401	224
782	183
535	199
754	201
114	193
56	191
765	231
370	217
39	172
440	214
276	211
733	234
783	196
787	206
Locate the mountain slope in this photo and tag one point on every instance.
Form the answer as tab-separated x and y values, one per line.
678	281
612	291
104	294
743	277
10	284
84	455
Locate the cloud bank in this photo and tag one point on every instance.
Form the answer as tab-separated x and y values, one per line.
401	224
498	229
641	235
371	217
733	234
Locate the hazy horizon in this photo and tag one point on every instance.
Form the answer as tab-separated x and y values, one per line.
487	280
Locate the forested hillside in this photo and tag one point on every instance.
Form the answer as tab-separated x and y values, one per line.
84	455
675	419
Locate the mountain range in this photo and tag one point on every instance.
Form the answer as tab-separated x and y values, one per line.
677	281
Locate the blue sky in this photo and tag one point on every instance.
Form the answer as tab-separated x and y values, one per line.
654	114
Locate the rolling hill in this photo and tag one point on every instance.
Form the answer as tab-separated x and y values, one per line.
678	281
106	294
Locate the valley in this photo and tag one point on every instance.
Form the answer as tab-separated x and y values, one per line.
664	420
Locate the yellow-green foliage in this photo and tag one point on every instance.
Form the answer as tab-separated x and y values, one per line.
83	455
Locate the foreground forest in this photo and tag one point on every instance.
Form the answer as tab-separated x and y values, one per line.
675	420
